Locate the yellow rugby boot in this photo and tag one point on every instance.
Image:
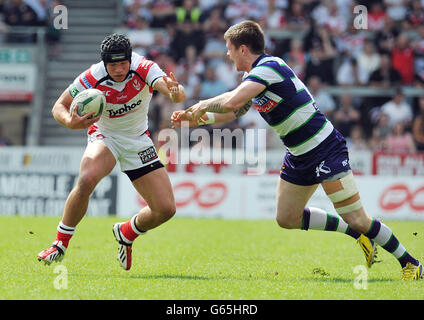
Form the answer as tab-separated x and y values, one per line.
411	272
369	248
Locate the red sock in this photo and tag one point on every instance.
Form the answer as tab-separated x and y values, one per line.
130	231
64	234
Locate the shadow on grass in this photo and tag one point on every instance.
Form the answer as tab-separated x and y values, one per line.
224	277
150	277
343	280
177	277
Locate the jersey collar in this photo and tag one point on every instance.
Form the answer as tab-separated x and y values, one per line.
259	59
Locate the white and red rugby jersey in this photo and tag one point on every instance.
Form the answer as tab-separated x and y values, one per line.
127	102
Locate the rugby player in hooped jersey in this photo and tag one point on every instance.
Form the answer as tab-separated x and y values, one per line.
119	135
316	151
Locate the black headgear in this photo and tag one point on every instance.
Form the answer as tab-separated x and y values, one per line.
115	47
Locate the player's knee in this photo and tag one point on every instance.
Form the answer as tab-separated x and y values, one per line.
167	210
87	182
286	222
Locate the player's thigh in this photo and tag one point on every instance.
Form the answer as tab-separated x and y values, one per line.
156	189
292	199
96	163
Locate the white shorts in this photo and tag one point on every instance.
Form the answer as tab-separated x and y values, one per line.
131	153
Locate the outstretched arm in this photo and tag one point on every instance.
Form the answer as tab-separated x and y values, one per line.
235	102
178	117
170	88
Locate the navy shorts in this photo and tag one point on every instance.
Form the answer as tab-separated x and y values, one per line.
329	158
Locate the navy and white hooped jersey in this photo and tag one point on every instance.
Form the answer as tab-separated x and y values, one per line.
288	106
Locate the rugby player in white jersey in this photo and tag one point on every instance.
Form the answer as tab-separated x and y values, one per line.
316	151
119	134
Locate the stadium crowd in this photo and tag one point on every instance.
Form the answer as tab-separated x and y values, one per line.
27	13
323	47
318	39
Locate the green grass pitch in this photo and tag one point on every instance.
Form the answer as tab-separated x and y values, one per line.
199	259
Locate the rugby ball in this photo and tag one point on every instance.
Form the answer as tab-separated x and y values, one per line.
87	101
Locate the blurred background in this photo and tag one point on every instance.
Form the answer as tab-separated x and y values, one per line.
368	79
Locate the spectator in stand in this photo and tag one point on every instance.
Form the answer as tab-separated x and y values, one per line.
135	9
274	19
335	22
351	42
321	12
418	45
209	5
163	13
396	9
385	39
346	116
214	25
356	140
379	133
296	18
165	62
323	99
214	50
211	85
17	13
414	15
321	59
400	141
160	43
385	77
296	58
226	72
376	17
192	62
398	110
188	29
348	72
238	10
403	59
141	36
40	8
418	126
185	35
189	71
188	11
368	62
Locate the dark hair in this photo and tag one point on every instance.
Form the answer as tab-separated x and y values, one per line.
248	33
115	47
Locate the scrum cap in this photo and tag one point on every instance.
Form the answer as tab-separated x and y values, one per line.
115	48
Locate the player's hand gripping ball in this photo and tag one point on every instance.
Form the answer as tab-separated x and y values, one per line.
88	101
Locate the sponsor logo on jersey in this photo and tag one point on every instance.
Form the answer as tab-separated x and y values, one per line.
86	82
124	110
263	103
136	84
